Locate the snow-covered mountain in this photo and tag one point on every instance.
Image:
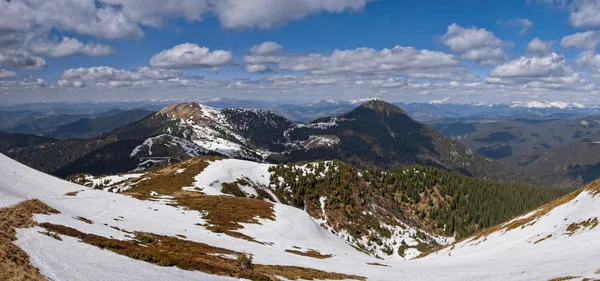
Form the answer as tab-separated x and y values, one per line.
154	232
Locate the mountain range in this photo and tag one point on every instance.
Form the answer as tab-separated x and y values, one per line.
374	134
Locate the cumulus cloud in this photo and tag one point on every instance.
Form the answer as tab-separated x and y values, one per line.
70	84
525	24
259	57
69	47
548	71
5	74
585	14
105	73
80	16
538	47
23	60
239	14
476	44
367	61
191	56
581	40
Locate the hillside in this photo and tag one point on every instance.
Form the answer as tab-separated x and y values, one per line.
529	136
93	127
14	141
79	233
566	166
379	134
435	206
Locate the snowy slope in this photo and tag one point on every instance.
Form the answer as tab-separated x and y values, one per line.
501	255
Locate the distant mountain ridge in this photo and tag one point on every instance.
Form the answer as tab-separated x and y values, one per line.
375	134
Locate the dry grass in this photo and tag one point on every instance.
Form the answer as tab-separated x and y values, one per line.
188	255
167	181
598	271
88	221
377	264
574	227
14	262
225	213
309	253
72	193
564	278
232	188
541	240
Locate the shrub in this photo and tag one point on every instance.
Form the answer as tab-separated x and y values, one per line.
244	261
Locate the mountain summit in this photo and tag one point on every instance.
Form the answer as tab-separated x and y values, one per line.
380	106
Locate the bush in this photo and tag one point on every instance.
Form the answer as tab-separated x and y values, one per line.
244	262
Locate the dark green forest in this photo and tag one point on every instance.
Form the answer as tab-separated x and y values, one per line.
444	202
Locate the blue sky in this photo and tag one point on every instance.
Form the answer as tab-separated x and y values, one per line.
483	58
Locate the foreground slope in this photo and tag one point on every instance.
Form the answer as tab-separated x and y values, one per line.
100	235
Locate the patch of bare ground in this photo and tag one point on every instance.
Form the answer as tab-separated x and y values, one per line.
166	181
564	278
310	253
14	262
574	227
73	193
195	256
88	221
593	188
225	214
541	240
377	264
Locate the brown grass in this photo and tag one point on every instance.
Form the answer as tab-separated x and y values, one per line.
564	278
73	193
166	181
598	271
309	253
88	221
188	255
377	264
232	188
225	213
541	240
574	227
14	262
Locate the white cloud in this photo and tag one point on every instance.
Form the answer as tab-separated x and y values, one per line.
69	47
590	61
408	61
105	73
5	74
258	68
153	12
537	72
525	24
23	60
539	47
476	44
265	48
585	14
261	56
581	40
191	56
80	16
239	14
70	84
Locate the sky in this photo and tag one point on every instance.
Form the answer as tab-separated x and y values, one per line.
460	51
